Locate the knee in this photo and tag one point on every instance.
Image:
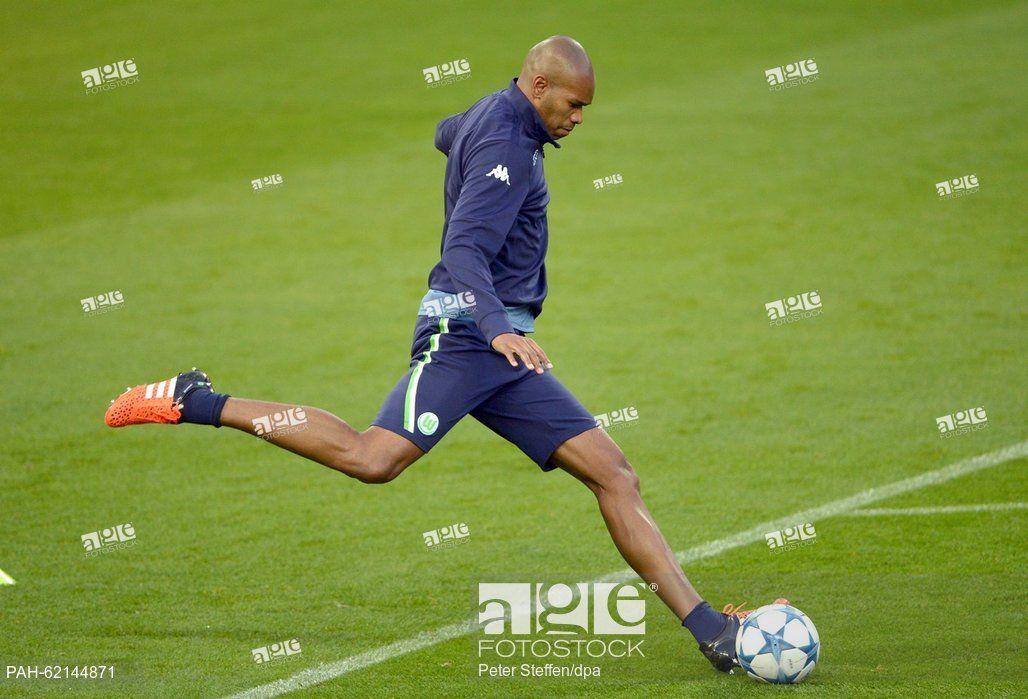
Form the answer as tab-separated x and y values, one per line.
619	476
377	470
365	465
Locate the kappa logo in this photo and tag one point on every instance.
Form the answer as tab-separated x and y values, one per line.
535	157
500	173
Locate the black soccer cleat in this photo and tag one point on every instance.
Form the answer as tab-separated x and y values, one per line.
721	651
190	382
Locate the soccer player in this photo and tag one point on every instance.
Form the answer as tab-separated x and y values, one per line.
471	353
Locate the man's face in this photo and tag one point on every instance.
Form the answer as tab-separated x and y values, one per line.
560	104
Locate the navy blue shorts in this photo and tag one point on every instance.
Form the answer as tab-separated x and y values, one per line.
454	373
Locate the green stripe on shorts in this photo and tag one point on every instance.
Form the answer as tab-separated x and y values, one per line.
411	398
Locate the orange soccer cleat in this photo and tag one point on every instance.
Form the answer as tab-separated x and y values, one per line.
159	402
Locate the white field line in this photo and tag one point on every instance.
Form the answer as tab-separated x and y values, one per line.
329	671
5	579
942	510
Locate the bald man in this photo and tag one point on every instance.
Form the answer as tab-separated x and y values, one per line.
471	353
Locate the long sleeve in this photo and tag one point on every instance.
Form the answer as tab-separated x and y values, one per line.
445	132
496	181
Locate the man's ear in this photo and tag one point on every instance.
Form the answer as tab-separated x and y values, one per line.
539	85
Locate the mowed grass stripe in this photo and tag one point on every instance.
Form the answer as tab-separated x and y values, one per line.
330	671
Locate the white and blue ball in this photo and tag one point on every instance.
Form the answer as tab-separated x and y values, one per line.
777	643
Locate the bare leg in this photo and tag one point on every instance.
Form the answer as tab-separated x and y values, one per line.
593	458
373	456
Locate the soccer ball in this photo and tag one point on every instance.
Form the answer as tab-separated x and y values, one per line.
777	643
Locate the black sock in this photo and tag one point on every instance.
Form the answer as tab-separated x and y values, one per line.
204	407
704	622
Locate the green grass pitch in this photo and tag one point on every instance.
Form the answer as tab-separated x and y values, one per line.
733	196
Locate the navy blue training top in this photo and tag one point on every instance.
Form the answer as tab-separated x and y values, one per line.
494	233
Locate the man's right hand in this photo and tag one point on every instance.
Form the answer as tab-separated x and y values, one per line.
515	347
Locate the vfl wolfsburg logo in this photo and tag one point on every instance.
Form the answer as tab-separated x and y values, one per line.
428	423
